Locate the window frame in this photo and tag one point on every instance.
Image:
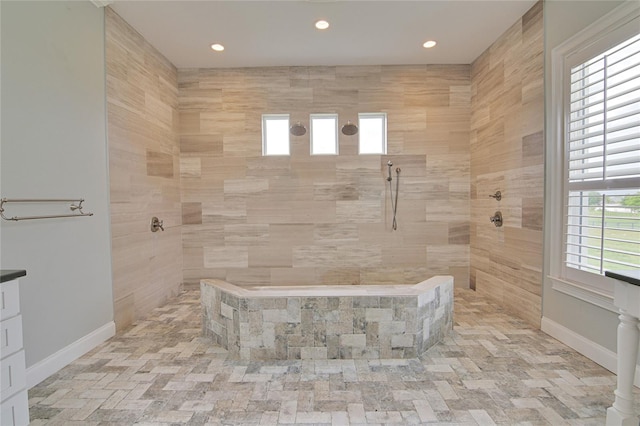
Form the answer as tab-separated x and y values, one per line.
383	116
611	30
275	117
311	133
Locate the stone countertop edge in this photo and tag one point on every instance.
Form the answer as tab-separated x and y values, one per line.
323	291
11	274
632	277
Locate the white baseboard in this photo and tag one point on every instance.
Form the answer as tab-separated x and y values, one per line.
48	366
597	353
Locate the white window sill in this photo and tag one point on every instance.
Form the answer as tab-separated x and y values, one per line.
584	293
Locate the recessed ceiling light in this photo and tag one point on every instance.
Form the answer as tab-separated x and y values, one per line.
217	47
322	24
429	44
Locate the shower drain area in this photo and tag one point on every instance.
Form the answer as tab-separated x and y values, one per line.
327	322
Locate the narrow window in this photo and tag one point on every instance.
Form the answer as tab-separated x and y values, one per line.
275	134
373	133
324	134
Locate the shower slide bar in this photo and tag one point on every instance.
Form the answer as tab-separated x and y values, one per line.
76	205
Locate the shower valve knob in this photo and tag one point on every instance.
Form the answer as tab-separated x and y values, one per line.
496	219
156	224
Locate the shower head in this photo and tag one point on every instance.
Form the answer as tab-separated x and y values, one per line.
349	129
389	163
298	129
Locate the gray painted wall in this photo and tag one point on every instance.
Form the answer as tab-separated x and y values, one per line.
563	19
54	146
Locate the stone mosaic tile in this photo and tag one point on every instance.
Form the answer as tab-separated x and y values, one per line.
493	369
293	326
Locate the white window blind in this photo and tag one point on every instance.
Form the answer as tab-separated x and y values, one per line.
604	121
602	142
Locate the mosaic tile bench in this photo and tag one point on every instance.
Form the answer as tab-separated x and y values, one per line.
327	322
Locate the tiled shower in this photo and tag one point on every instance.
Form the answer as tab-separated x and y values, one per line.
185	145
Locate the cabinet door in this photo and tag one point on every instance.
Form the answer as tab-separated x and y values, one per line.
12	374
10	336
9	299
15	410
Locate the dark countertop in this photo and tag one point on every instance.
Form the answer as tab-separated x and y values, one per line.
632	277
11	274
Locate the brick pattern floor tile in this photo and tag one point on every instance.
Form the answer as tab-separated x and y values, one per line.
492	370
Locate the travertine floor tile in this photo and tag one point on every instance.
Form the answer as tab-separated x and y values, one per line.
493	369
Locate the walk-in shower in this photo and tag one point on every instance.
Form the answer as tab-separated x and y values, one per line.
394	202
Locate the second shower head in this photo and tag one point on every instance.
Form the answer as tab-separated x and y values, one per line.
349	129
298	129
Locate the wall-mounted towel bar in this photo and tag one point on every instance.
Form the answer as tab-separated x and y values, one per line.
76	206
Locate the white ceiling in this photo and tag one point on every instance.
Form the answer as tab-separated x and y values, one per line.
282	33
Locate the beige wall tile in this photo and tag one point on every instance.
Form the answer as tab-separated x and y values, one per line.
320	219
246	234
191	213
226	257
507	154
270	256
190	167
142	107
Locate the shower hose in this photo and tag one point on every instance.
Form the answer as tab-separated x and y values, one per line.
394	203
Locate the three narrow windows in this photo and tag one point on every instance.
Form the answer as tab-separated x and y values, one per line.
371	129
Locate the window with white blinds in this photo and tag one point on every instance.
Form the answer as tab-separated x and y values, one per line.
602	145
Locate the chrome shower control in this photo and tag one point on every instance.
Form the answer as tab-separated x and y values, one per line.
156	224
496	219
497	195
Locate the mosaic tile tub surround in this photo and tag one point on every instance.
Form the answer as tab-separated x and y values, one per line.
327	322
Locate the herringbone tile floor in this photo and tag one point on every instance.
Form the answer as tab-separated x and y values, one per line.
493	369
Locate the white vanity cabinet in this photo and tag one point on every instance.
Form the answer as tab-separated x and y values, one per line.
14	404
626	297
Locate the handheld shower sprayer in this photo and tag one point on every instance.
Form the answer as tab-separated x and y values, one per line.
394	202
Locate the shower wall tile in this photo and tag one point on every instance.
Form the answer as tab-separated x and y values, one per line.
200	144
358	211
507	143
270	256
459	232
159	164
226	257
246	234
191	213
303	219
190	167
144	173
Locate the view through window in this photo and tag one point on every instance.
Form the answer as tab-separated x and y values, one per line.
602	131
